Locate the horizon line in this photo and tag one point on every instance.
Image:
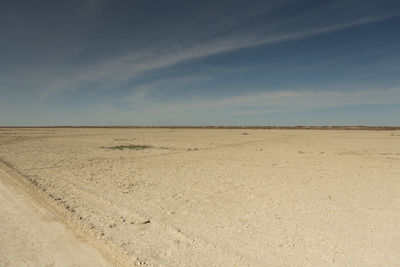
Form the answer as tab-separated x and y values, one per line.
250	127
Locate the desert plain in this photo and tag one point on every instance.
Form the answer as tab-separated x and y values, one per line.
199	197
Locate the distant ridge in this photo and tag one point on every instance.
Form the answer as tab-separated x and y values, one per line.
375	128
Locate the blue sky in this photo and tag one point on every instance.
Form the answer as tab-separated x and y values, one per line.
200	62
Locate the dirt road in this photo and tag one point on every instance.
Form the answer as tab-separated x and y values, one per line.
32	235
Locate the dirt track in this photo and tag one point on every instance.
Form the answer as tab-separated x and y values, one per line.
32	235
223	197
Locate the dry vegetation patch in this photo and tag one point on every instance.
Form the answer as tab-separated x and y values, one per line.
134	147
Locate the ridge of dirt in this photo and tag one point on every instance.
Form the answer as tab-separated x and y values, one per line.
25	194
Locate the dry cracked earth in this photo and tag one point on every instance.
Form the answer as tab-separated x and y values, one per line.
219	197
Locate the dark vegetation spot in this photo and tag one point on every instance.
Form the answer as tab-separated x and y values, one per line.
146	222
245	134
71	209
134	147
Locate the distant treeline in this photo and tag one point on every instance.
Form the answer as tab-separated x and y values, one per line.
382	128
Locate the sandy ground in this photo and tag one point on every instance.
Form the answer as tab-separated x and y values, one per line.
32	235
219	197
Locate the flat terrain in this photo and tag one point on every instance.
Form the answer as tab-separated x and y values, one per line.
218	197
32	235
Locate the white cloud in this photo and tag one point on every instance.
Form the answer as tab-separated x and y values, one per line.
263	103
113	71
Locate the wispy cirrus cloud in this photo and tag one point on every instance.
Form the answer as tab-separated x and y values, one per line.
116	70
211	111
262	103
96	52
221	28
270	102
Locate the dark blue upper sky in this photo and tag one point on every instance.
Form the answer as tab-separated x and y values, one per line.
236	62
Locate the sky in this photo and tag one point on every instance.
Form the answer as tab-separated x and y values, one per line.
239	62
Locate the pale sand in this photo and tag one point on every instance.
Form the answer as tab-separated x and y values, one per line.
32	235
212	197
